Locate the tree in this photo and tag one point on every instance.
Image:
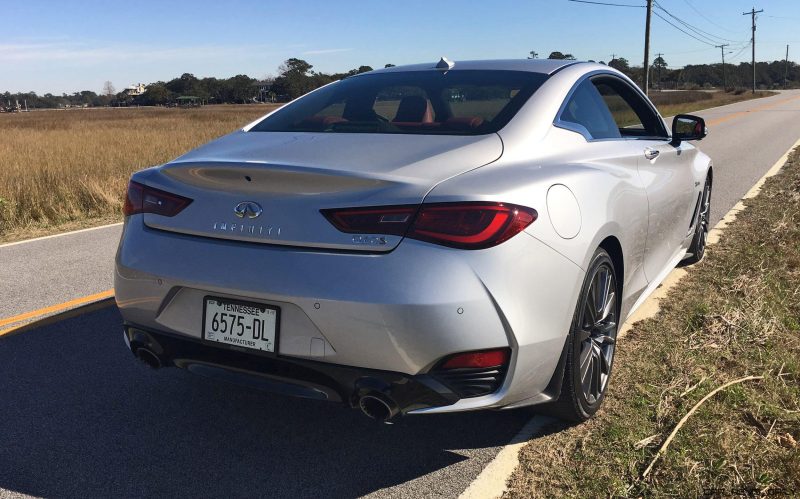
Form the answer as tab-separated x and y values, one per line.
108	89
559	55
389	66
294	79
658	64
157	94
242	88
620	64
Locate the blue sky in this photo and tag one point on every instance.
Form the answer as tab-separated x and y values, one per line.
65	46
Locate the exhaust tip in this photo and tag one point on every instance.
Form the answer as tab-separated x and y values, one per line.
148	357
377	407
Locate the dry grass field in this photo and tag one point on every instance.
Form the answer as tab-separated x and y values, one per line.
685	101
64	169
61	170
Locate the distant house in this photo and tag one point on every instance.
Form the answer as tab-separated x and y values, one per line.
135	90
265	93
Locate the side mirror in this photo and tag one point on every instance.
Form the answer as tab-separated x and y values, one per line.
688	127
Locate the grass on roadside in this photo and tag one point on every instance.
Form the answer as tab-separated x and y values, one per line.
67	169
672	103
737	313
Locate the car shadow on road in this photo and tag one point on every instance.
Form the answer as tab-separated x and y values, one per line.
80	417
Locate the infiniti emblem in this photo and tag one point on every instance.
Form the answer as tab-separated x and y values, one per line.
247	209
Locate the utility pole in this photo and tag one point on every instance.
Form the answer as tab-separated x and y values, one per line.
722	49
646	66
786	70
752	15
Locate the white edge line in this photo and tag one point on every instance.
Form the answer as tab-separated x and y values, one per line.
492	481
15	243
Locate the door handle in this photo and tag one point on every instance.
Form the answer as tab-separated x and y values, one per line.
651	153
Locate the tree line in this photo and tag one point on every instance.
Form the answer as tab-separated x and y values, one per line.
296	77
769	75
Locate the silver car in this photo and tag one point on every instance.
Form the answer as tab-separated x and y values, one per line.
420	239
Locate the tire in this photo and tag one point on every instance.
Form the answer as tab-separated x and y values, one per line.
591	344
697	249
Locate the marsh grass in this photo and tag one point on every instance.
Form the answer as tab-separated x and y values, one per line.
62	168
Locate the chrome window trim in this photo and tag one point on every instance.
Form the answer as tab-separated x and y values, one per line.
578	128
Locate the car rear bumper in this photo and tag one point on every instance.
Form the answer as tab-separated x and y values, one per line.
399	312
293	376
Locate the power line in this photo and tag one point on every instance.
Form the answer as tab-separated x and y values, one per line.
705	34
710	44
609	4
731	59
706	18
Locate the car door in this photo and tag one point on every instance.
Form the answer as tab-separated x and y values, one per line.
585	112
665	171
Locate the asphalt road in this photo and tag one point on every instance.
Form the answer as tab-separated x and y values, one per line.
78	417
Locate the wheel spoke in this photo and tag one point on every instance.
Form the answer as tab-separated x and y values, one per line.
585	357
602	290
606	358
586	373
608	308
605	340
589	311
596	372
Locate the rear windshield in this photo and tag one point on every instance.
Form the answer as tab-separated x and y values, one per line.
467	102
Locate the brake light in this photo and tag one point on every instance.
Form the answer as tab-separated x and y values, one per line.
471	225
143	199
477	360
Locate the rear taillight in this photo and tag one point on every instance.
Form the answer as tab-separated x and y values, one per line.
381	220
143	199
473	225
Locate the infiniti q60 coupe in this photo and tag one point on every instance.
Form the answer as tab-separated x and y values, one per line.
438	237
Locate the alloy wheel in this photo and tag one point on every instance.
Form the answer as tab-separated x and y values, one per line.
597	334
705	215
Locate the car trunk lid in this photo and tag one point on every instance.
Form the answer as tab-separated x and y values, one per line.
292	176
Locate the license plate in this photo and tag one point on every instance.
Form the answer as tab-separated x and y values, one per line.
241	324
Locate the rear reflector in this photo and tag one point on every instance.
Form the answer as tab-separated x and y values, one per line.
471	225
143	199
474	360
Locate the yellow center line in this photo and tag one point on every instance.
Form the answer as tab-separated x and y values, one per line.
109	293
722	119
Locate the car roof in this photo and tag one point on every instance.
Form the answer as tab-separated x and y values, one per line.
543	66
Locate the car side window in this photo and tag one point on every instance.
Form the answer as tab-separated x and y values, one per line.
631	113
587	109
